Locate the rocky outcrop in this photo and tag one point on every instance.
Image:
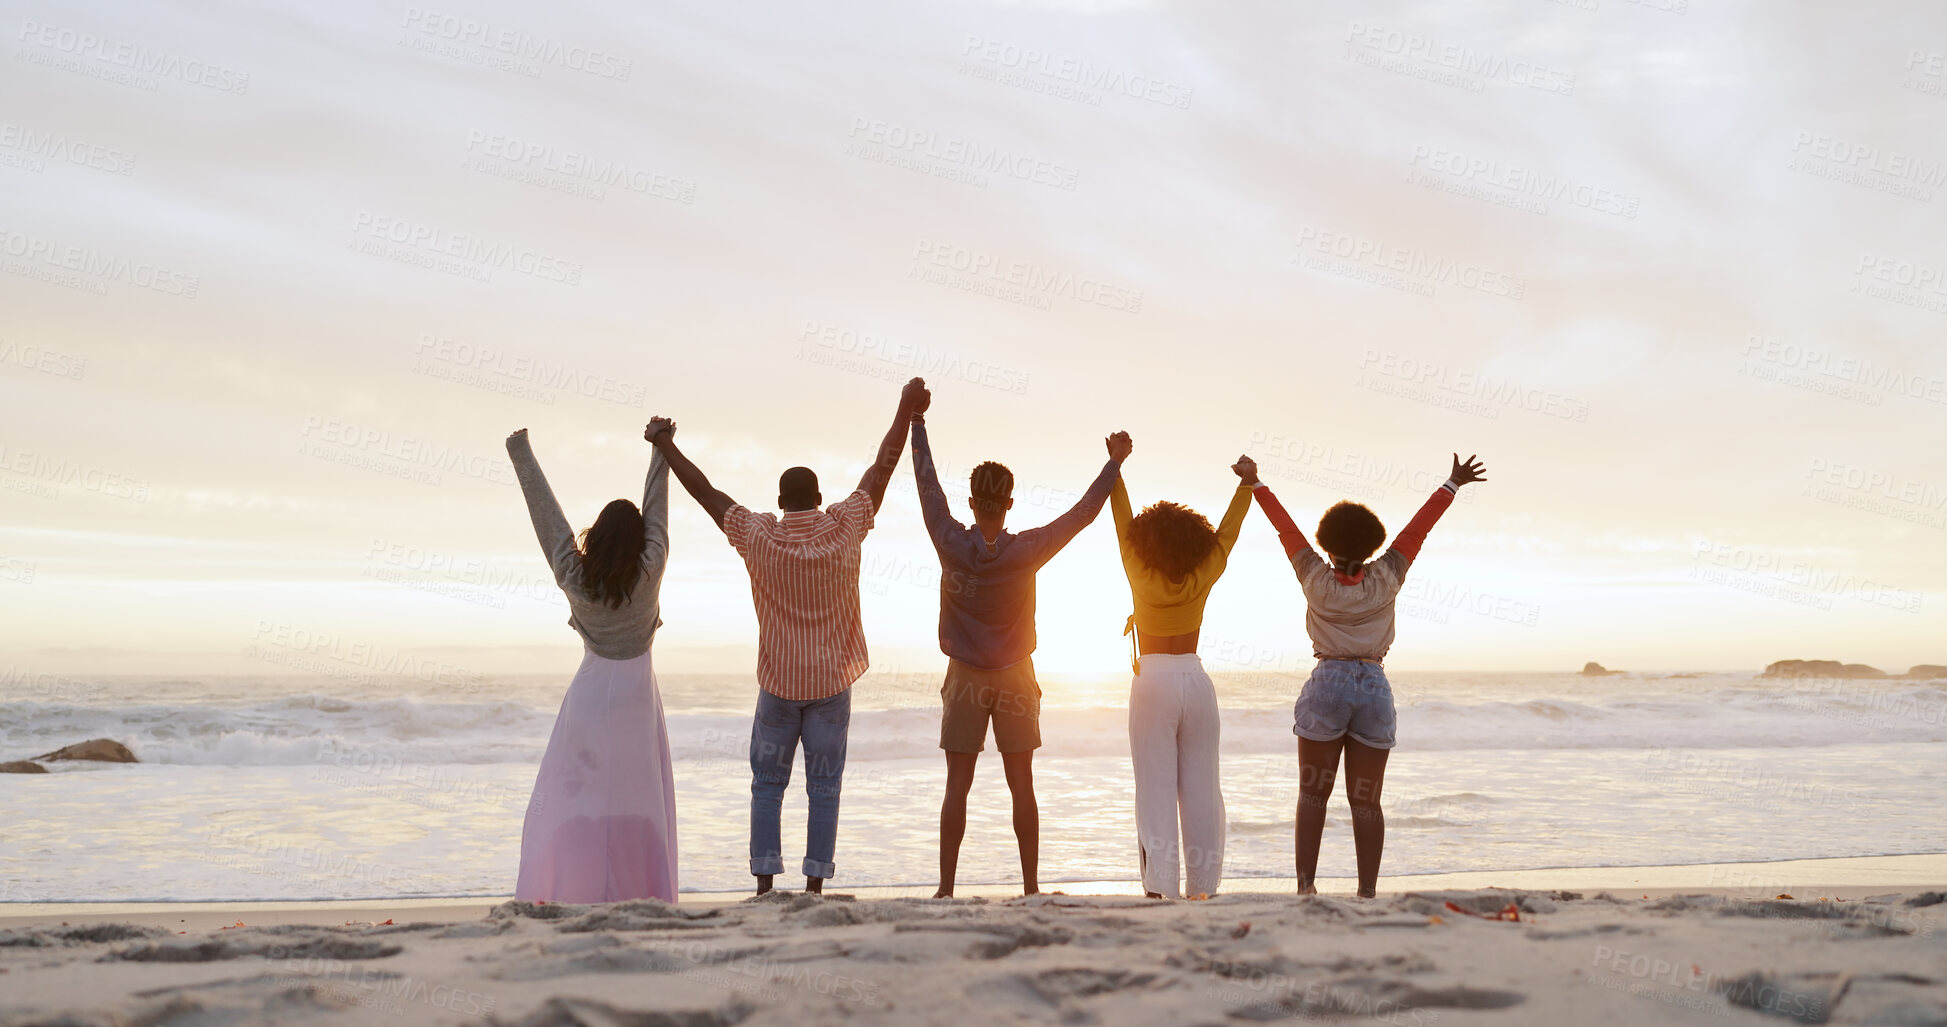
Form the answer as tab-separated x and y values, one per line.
104	749
1594	669
1927	671
21	767
1821	669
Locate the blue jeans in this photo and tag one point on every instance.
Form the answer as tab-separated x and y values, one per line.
774	735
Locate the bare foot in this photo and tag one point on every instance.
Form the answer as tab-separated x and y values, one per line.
814	885
1152	895
763	883
1308	889
944	893
1031	890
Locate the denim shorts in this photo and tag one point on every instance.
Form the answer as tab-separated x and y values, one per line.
1346	697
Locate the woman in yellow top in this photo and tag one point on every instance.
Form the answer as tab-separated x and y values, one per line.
1172	557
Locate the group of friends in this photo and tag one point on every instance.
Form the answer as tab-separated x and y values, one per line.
601	825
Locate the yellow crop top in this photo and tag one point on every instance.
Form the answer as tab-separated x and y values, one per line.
1164	607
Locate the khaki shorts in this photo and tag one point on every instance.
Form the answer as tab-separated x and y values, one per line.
971	695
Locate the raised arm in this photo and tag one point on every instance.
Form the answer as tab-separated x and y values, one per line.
1051	537
1233	522
550	524
662	432
932	498
913	398
1292	539
1119	511
655	517
1413	536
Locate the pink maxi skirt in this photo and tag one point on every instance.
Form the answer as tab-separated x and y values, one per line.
601	826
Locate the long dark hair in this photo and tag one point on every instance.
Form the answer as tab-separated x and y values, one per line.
1172	538
611	554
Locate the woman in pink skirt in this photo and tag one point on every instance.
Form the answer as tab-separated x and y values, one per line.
601	826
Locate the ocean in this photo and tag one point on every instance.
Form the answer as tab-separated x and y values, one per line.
254	788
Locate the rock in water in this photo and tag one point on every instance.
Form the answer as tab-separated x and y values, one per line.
1821	669
1594	669
21	767
104	749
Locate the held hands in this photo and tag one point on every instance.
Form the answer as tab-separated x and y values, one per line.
658	427
1119	446
915	398
1246	469
519	433
1472	470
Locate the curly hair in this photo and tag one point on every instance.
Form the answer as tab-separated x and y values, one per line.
1350	533
1172	539
611	554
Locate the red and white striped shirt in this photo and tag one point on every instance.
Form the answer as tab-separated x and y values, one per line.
804	581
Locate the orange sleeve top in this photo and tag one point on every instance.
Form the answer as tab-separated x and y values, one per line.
1165	607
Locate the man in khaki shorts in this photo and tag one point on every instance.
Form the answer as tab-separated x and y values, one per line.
987	633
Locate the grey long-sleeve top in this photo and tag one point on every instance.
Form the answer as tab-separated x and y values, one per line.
623	633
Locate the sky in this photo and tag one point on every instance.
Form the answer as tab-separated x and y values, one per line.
277	280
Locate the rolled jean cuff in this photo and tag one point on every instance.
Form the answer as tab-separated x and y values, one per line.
769	866
822	871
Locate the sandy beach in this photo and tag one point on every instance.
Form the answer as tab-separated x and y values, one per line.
1650	945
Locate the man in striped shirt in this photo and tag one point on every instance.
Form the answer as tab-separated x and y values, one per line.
804	582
